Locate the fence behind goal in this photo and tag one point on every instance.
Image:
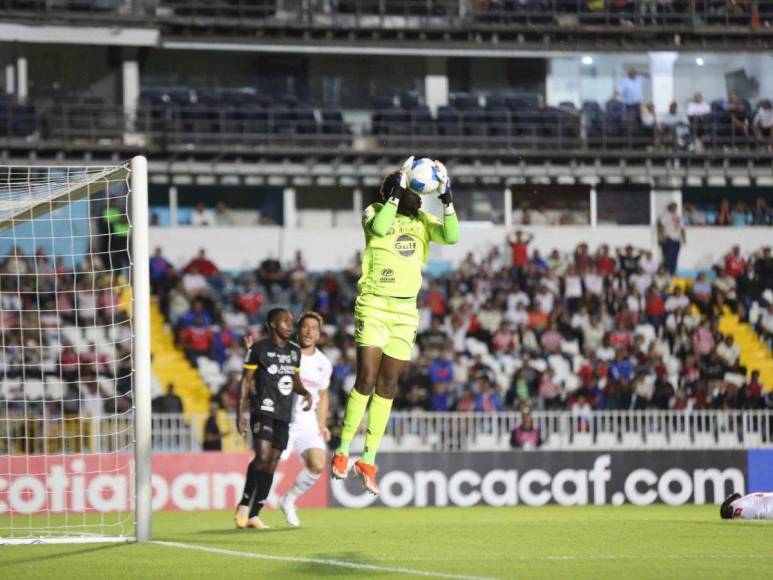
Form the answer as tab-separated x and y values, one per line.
74	349
558	431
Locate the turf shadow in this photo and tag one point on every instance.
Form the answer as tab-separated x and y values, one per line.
245	533
68	554
314	569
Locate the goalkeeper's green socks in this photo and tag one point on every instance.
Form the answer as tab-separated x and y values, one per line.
355	409
378	417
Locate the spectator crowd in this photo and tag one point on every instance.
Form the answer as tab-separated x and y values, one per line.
513	329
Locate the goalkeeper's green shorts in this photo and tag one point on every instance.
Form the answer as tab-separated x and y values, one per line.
388	323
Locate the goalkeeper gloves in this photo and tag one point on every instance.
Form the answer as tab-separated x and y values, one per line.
390	187
395	184
444	190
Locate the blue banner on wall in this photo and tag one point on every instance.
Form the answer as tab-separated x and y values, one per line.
760	470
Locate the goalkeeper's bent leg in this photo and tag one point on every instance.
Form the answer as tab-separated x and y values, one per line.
355	409
378	417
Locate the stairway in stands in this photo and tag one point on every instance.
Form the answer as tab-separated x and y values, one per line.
754	355
171	366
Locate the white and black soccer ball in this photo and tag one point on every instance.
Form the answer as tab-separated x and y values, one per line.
423	177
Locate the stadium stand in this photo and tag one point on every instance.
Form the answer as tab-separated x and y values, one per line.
244	117
550	332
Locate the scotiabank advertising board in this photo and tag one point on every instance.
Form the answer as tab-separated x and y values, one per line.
103	483
204	481
539	478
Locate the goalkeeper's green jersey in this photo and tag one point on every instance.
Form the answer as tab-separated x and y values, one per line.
397	247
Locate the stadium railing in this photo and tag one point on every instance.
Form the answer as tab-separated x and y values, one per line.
246	127
432	18
87	10
424	431
440	15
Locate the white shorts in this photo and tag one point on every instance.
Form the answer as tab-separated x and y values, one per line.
303	436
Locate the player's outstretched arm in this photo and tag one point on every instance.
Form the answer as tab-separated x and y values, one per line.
448	231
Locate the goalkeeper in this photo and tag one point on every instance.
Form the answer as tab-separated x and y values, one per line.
397	236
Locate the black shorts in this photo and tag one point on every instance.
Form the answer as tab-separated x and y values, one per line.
270	429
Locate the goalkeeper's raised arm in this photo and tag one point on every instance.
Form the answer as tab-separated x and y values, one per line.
397	236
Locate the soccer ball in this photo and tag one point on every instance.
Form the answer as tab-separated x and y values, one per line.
423	177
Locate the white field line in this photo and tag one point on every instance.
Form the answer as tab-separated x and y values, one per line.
319	561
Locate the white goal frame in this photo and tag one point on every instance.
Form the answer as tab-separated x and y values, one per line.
141	370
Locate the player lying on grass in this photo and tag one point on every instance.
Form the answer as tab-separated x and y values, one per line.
753	506
397	237
308	431
271	376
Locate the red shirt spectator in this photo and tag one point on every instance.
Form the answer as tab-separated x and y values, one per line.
734	262
604	262
520	249
197	338
436	301
201	265
591	371
620	338
755	390
249	301
655	306
582	259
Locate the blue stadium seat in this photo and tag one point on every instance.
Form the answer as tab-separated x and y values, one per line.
465	102
449	122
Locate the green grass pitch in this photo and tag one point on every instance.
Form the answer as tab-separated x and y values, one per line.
519	542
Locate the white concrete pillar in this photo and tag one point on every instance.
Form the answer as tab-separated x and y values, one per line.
357	204
508	207
290	210
10	79
594	207
131	89
662	77
22	79
173	205
436	84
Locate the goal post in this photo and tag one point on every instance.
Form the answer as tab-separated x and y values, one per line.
141	316
75	383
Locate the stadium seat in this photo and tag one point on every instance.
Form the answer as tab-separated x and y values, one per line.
449	122
55	389
465	102
107	386
33	389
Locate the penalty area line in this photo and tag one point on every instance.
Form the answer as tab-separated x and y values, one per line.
320	561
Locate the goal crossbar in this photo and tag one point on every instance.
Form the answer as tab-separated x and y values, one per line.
45	204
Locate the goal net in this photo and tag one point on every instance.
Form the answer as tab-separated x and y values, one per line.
74	354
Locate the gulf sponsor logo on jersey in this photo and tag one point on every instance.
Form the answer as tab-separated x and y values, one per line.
405	246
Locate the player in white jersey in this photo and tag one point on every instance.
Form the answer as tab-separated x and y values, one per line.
753	506
308	431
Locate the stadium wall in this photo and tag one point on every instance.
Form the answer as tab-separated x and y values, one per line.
329	249
204	481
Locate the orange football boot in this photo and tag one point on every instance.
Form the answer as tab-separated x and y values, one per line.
339	466
367	474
